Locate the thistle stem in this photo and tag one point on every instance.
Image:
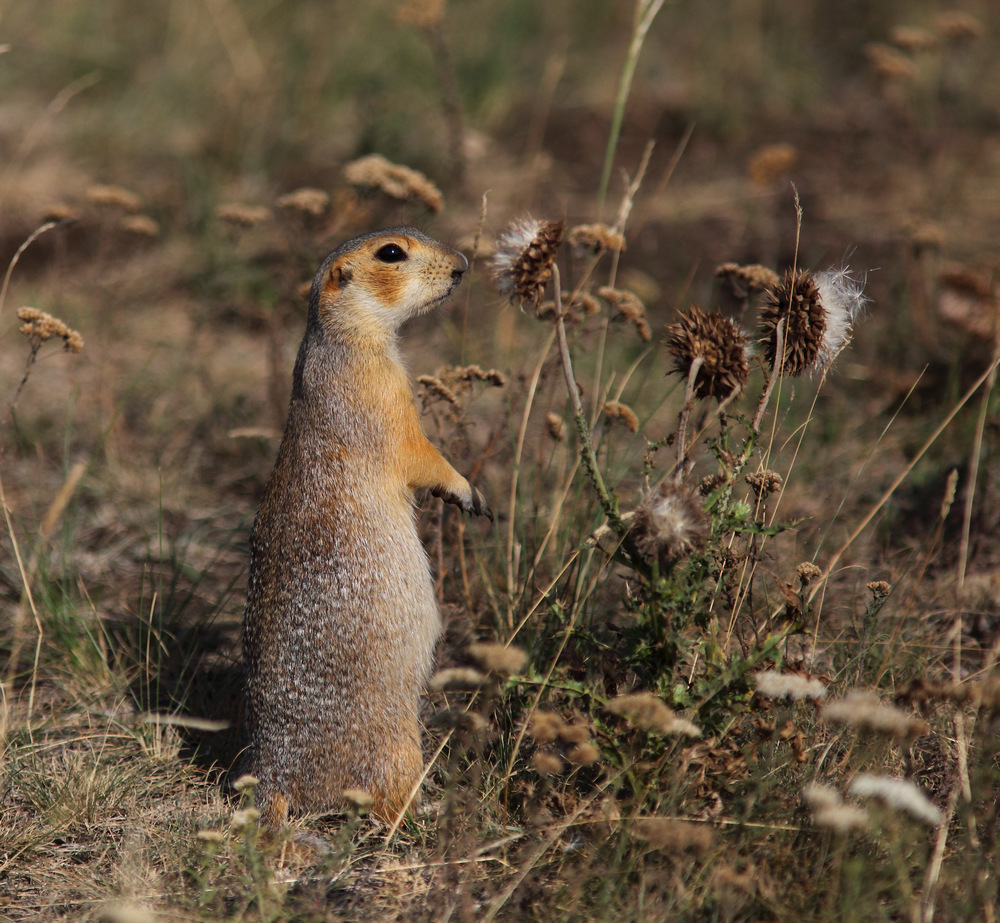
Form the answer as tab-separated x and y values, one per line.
685	416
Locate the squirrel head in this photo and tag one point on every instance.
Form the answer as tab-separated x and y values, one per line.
373	283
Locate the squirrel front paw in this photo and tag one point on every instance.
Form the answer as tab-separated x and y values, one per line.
471	502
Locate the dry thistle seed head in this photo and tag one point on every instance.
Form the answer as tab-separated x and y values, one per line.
646	711
796	302
521	265
721	345
864	710
244	216
672	835
670	524
616	410
630	307
395	180
591	239
900	794
210	836
498	658
774	685
307	201
818	311
38	326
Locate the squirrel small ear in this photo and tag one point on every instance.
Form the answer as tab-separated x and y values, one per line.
339	276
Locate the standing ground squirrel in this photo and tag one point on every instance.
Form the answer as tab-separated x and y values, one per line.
341	621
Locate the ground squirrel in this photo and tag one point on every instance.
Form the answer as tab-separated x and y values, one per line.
341	620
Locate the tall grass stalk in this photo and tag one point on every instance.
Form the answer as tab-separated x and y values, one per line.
645	13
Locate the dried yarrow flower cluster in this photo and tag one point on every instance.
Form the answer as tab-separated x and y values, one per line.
522	264
744	279
592	239
310	202
670	835
502	659
649	713
616	410
864	710
38	327
721	346
242	215
774	685
899	794
451	383
395	180
831	811
558	741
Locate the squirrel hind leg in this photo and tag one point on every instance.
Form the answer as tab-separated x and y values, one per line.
274	812
398	791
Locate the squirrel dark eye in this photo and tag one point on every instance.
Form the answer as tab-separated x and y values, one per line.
391	253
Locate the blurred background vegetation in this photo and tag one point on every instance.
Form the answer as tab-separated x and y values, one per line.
143	123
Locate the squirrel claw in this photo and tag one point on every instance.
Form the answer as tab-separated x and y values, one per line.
479	505
474	503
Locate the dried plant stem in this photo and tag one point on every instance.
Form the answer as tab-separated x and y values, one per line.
18	628
587	453
512	552
28	365
902	476
32	237
772	379
645	13
685	416
451	100
974	460
664	181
